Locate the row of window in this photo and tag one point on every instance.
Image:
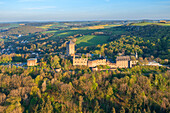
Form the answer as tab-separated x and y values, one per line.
80	62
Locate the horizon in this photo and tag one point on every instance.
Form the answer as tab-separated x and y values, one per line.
41	21
84	10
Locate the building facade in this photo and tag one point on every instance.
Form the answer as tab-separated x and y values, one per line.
70	48
97	62
123	62
80	61
89	63
32	62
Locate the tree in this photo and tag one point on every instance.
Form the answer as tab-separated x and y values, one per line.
140	60
44	86
113	110
80	103
122	110
97	107
145	61
55	62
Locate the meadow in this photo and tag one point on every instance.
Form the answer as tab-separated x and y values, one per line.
91	40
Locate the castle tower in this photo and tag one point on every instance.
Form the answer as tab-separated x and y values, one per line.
70	48
136	55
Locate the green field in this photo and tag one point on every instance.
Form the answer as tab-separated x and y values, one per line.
90	40
50	31
67	33
147	23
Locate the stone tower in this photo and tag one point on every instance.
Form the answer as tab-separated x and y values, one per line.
70	48
136	55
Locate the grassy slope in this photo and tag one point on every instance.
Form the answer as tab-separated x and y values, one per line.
89	40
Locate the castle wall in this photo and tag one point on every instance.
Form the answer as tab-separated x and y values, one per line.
92	63
97	62
111	65
80	61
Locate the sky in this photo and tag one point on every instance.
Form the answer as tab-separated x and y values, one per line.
80	10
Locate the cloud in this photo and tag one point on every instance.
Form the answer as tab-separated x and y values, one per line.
41	8
107	0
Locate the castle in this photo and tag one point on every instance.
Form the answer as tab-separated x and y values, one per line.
121	61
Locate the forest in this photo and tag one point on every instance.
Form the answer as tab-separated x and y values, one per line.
142	89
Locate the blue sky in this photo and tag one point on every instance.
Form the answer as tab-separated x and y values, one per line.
72	10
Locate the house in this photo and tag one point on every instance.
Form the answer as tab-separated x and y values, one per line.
32	62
